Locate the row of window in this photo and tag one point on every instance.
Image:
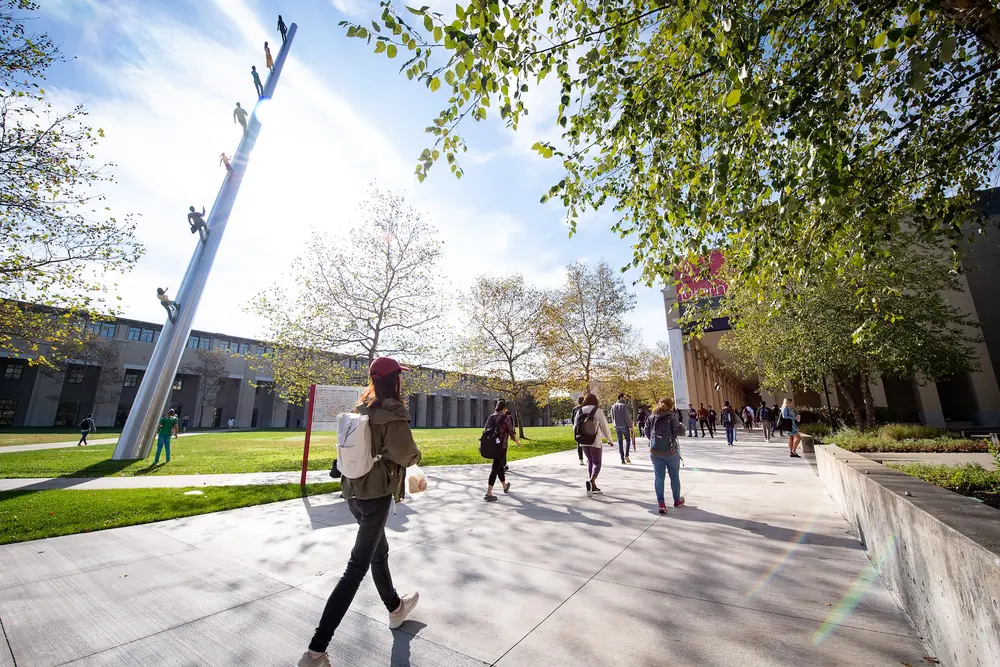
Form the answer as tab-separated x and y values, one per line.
105	329
14	370
143	335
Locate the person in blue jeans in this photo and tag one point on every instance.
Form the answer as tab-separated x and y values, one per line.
729	422
622	418
790	423
167	427
662	428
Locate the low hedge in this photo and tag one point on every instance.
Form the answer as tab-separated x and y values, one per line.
866	444
816	430
910	432
970	479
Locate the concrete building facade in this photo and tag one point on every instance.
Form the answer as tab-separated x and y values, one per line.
965	401
32	396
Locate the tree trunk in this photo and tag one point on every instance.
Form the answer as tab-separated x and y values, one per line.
859	421
979	17
866	394
517	419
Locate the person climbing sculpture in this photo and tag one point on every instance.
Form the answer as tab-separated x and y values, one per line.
268	60
197	222
240	116
282	29
256	81
224	159
172	306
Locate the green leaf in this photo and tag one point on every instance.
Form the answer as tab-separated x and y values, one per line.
434	84
362	33
428	22
947	49
733	98
379	46
460	12
438	33
391	51
879	40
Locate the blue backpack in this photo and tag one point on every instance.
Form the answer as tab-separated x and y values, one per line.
662	440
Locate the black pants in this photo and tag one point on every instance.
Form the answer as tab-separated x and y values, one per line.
579	452
496	472
711	427
370	550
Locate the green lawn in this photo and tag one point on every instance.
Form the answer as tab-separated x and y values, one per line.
34	436
261	451
32	515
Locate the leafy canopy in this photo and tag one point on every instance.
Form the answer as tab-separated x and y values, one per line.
807	126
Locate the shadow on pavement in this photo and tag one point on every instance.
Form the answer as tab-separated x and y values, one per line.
762	528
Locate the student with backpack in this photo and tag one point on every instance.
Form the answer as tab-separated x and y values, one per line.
498	430
373	457
572	422
622	418
764	417
590	430
86	426
692	422
664	451
728	417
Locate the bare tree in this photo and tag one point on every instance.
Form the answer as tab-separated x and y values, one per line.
501	344
212	368
82	346
372	291
583	321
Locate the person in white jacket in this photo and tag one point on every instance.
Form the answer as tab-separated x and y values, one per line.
591	430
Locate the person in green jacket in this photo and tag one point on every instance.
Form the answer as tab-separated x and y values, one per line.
369	499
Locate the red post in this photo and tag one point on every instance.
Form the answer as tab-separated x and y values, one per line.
309	428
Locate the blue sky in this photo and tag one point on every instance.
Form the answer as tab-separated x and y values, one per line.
161	78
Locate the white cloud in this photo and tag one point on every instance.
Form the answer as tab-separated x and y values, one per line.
167	109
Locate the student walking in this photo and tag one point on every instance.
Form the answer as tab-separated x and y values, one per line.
692	422
184	424
747	415
712	419
86	426
369	498
764	417
776	419
500	426
729	422
790	422
167	427
622	418
590	431
703	421
572	422
664	451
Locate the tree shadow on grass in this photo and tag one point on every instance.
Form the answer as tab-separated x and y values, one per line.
106	468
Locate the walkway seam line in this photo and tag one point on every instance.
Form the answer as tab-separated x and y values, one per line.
10	649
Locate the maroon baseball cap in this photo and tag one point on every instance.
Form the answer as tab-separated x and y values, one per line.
385	366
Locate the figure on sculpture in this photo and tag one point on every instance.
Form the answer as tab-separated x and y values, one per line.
282	29
240	116
268	60
197	222
171	306
224	159
256	81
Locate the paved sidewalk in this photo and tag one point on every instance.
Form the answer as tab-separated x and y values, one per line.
162	481
757	570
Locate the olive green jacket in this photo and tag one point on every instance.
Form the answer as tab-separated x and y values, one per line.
393	441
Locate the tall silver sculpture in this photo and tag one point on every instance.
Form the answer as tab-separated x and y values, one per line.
140	428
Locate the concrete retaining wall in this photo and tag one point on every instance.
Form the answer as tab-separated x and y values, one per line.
938	553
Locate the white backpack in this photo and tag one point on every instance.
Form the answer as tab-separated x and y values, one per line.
354	445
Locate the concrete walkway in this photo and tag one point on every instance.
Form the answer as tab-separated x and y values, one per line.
161	481
758	569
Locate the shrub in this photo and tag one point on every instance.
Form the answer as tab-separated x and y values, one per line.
970	479
910	432
860	442
816	430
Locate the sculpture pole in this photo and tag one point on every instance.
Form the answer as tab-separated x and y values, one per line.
154	392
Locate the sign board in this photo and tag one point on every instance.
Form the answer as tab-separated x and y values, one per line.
692	283
330	401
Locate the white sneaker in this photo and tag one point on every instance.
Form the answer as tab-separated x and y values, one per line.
406	605
308	661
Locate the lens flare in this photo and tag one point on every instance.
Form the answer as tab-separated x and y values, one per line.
853	597
767	576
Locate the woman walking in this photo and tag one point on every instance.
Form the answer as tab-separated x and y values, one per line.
662	428
591	431
369	498
503	428
789	422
